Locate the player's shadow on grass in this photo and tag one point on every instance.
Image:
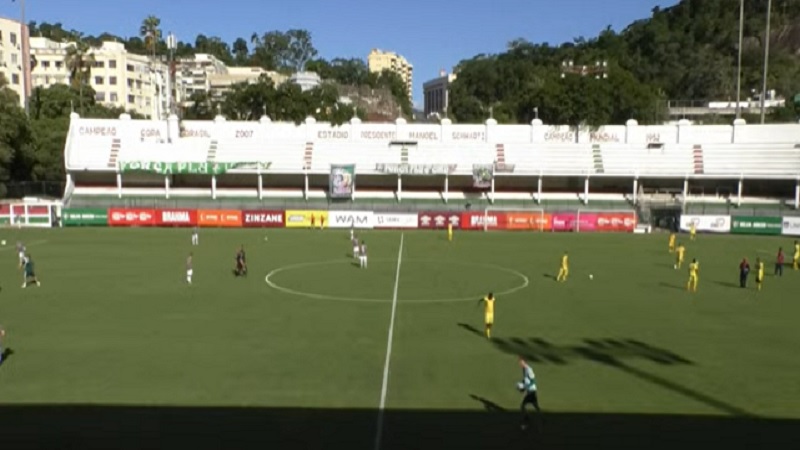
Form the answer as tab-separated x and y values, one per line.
117	427
612	353
7	352
727	284
672	286
550	276
488	405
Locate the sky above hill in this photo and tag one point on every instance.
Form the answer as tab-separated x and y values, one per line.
432	34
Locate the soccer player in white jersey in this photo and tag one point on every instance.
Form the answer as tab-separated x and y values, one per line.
355	246
528	387
352	232
362	255
21	252
195	236
189	268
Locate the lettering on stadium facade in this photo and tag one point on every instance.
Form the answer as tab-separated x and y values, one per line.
333	134
98	131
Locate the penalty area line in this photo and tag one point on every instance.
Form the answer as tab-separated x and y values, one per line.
385	384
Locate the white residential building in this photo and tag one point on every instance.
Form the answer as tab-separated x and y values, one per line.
206	73
12	55
120	79
437	94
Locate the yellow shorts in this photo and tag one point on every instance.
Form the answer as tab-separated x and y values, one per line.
489	319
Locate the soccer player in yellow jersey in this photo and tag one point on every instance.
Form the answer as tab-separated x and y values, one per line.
759	273
672	242
450	232
796	259
563	272
488	313
694	268
692	231
680	252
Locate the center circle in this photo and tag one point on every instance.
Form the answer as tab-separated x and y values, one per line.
463	277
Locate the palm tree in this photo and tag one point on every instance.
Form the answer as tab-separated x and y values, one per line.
79	61
151	32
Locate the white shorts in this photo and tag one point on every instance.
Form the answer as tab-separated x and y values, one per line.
189	272
355	250
363	258
21	256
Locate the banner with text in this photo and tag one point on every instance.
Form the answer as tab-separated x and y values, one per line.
482	175
535	221
622	222
416	169
342	180
176	218
131	217
480	220
227	218
201	168
439	220
714	224
791	226
350	219
394	221
263	219
564	221
78	217
756	225
306	219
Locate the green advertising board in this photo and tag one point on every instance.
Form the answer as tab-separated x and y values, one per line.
198	168
76	217
756	225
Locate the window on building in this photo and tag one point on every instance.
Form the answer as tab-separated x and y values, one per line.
129	67
138	84
46	80
59	64
130	99
130	83
99	64
15	78
45	64
13	38
14	58
1	36
147	102
112	63
98	80
100	96
112	81
113	97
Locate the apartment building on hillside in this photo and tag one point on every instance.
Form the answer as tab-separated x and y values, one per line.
379	60
120	79
436	93
13	52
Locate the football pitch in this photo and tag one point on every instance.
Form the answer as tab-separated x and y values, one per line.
115	350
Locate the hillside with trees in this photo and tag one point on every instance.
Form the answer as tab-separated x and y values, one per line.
686	52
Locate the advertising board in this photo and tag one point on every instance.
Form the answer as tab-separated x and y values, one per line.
176	217
227	218
130	217
756	225
305	218
77	217
438	220
713	224
396	221
263	218
350	219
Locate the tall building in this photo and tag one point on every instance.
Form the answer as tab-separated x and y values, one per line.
437	94
221	83
205	73
13	52
379	60
120	79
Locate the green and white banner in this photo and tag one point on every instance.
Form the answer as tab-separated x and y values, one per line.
205	168
482	175
342	179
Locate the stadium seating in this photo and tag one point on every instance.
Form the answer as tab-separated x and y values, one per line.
520	153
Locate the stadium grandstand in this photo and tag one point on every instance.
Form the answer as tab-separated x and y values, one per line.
666	169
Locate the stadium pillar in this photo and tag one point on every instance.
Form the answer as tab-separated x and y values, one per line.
586	191
739	193
213	187
635	189
685	190
797	194
491	198
260	187
119	185
446	188
166	186
539	191
399	188
305	186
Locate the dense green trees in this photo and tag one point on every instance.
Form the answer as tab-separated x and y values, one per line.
686	52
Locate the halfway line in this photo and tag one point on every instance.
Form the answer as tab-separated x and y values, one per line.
385	386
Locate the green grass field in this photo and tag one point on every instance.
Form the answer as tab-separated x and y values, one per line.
114	336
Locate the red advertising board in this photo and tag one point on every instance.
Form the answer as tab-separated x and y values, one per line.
125	217
586	222
430	220
479	220
563	222
176	217
263	219
616	222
